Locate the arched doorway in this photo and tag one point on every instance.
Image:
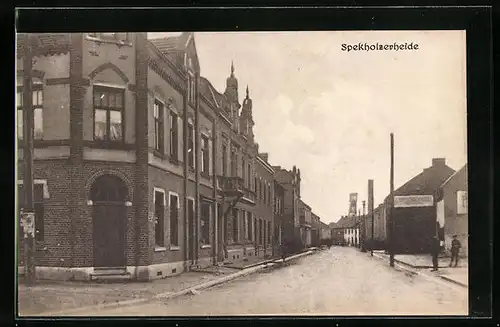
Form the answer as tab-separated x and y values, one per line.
108	195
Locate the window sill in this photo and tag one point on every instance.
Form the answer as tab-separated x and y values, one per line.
115	145
158	154
206	246
175	248
111	41
160	249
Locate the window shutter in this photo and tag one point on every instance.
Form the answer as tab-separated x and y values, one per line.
180	138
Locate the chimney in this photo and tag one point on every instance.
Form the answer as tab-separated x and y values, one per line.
438	162
264	156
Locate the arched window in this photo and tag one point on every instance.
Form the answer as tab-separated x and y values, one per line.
108	188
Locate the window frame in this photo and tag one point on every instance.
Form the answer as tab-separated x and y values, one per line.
205	228
108	90
235	227
171	220
36	86
205	155
159	242
173	122
159	126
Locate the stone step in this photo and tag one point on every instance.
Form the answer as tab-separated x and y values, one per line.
114	274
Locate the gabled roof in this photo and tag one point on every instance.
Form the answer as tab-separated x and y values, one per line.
427	182
346	222
464	167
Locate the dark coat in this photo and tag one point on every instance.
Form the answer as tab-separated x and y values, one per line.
435	246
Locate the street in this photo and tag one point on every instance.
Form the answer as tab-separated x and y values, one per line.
339	281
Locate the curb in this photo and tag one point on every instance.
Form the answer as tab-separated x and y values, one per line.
408	267
171	295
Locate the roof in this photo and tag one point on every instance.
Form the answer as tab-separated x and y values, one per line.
458	172
346	222
427	182
49	40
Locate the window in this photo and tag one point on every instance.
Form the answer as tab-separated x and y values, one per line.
249	177
190	146
159	201
243	170
235	225
159	129
37	102
269	231
174	141
234	160
191	88
174	219
205	223
224	160
108	114
261	232
244	234
205	155
255	185
37	206
249	226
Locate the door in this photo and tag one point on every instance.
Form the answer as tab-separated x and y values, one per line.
109	235
191	231
108	194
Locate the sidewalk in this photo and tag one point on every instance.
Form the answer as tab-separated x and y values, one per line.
458	275
50	298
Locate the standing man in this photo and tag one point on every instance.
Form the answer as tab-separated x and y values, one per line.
455	249
435	248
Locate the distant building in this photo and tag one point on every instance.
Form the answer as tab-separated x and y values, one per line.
347	231
380	229
414	212
290	181
305	223
315	230
325	231
452	209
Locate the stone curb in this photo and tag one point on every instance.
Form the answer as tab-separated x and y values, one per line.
171	295
408	267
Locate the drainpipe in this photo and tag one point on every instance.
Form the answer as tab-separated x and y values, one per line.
196	229
185	146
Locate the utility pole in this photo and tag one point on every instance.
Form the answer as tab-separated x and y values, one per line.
370	210
28	214
391	205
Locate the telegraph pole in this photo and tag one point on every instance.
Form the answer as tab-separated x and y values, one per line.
28	215
370	210
391	205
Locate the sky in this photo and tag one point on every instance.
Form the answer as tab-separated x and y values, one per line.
330	112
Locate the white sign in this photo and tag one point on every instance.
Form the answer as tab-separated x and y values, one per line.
462	202
440	213
408	201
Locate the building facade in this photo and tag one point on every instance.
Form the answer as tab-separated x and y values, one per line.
305	220
452	210
413	216
290	181
264	181
141	167
279	211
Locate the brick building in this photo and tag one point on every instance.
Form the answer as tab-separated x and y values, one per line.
414	213
305	220
279	211
290	181
135	155
264	181
379	230
452	209
315	230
